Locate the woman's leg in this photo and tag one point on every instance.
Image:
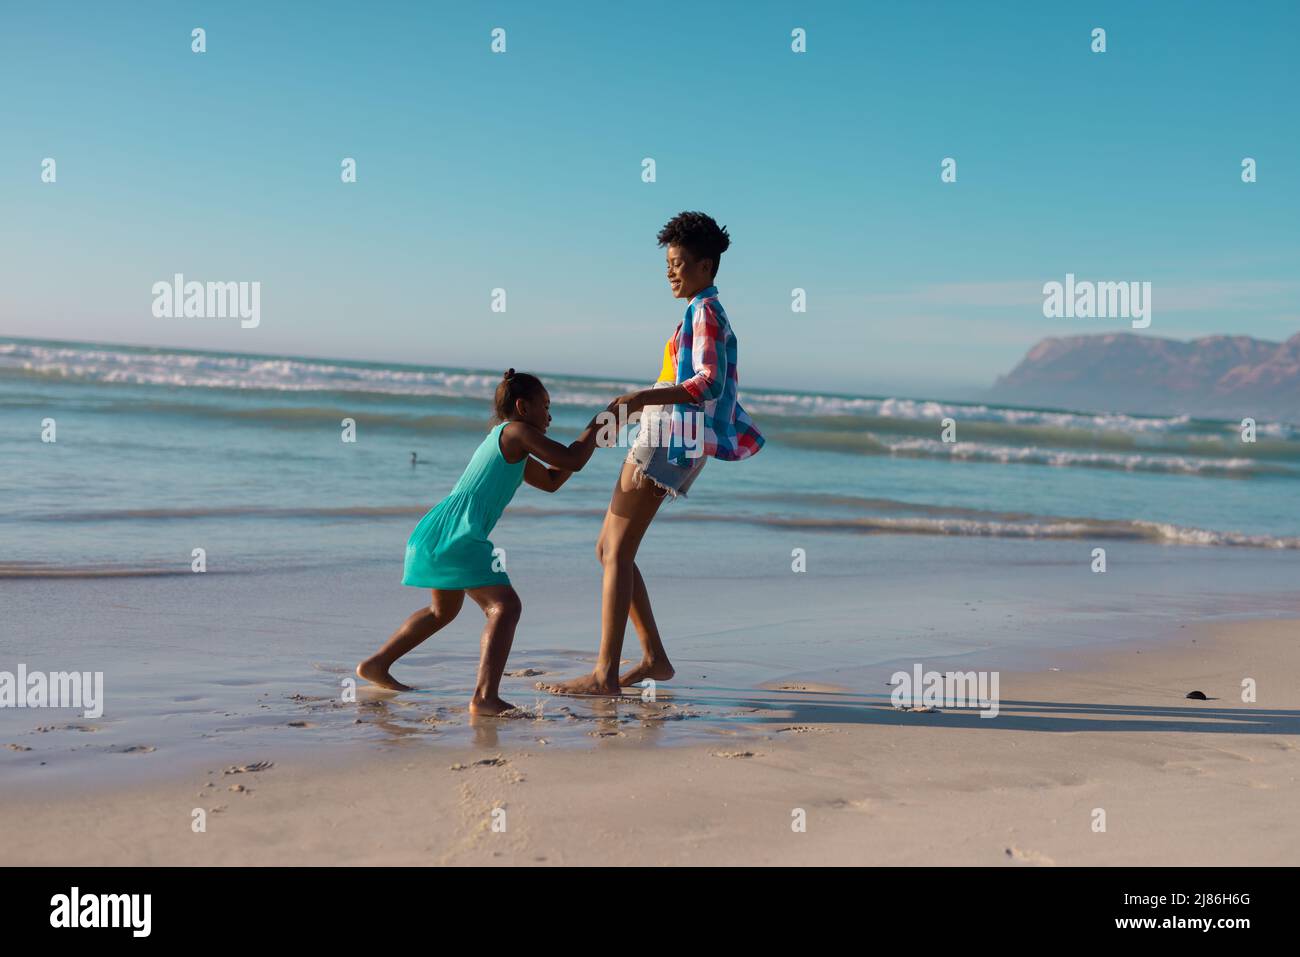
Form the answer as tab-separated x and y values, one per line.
502	607
631	509
443	607
654	658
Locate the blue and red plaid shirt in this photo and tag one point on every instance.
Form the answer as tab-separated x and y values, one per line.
703	349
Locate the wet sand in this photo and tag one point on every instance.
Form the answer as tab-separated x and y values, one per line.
1181	782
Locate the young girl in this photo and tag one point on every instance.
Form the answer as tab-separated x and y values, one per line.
449	550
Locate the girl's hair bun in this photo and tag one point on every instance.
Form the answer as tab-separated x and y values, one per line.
512	387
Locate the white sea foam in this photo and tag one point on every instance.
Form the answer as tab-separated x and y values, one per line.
929	410
241	372
246	372
1128	462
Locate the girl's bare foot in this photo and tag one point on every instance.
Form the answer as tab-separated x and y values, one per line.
377	674
492	705
586	685
661	670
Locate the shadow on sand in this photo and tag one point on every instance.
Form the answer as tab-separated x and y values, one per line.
830	707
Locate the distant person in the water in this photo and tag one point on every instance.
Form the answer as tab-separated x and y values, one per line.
415	459
449	551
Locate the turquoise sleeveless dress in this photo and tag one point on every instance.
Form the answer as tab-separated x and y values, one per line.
450	547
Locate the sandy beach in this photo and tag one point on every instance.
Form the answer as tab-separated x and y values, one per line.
331	485
1181	782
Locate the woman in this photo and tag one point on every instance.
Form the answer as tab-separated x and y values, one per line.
690	414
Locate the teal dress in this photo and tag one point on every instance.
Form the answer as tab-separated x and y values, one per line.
450	547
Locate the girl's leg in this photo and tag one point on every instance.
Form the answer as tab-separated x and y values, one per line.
502	607
631	510
443	607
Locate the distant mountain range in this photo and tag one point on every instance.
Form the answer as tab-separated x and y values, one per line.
1213	377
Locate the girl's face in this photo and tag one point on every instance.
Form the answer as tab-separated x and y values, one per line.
686	274
536	412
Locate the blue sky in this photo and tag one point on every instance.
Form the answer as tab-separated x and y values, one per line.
522	171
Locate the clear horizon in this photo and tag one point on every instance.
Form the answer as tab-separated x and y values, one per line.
957	394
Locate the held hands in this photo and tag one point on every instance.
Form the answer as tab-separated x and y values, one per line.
635	402
604	419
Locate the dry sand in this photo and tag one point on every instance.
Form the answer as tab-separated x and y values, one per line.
1181	782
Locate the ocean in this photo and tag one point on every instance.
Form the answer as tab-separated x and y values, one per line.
160	450
914	548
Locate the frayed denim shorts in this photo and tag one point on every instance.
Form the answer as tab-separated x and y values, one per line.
651	461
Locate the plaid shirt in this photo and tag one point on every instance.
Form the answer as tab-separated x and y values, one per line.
704	350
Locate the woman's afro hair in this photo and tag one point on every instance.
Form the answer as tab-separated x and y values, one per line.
698	233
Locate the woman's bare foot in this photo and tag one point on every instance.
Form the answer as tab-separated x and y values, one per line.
492	705
586	685
377	674
661	670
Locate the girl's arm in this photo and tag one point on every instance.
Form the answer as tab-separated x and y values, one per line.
520	437
539	476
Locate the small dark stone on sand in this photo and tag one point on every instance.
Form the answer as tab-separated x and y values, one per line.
1197	695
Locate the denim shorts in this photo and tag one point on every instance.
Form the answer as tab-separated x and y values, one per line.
651	461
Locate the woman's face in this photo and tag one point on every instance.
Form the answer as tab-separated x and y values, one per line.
686	274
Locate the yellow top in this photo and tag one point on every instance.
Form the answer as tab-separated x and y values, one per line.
669	371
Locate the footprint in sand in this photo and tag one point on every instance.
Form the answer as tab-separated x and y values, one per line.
331	669
66	727
677	716
1186	767
840	804
248	768
496	762
1029	857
